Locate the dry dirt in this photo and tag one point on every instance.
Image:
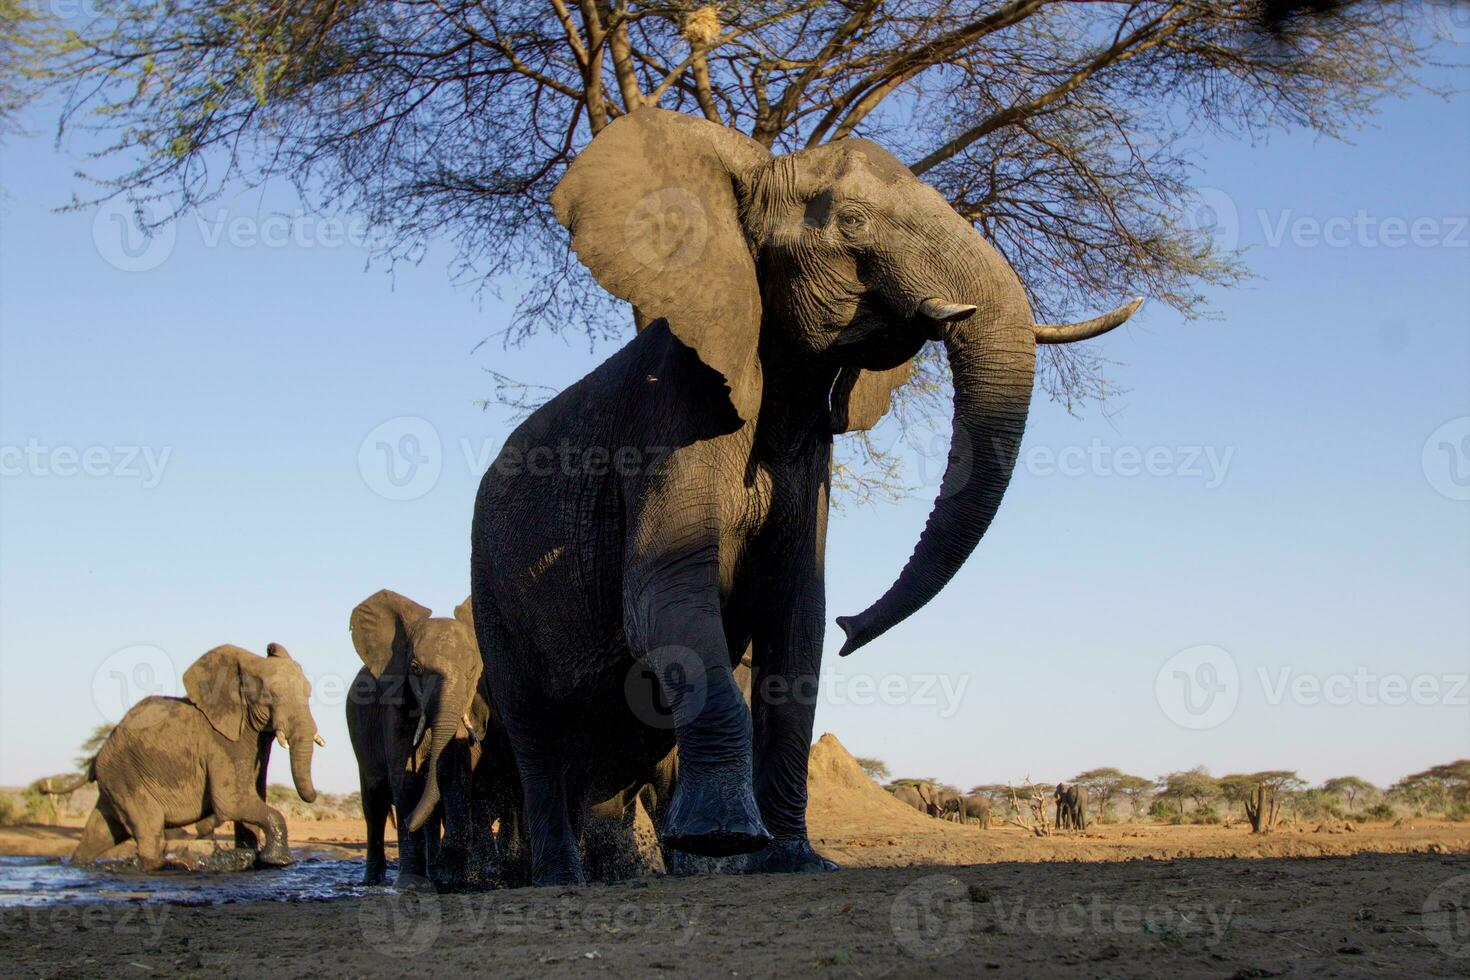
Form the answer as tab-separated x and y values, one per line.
915	894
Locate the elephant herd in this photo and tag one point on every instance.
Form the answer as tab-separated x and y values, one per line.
1070	799
931	800
660	522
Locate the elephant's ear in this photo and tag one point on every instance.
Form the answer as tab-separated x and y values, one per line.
380	626
214	684
465	613
861	397
654	210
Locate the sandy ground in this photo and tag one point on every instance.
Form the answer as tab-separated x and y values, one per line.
915	894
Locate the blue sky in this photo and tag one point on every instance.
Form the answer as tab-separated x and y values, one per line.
1257	557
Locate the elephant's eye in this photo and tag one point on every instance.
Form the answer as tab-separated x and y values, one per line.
851	221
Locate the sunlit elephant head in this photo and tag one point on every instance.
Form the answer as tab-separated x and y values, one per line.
244	694
440	660
834	262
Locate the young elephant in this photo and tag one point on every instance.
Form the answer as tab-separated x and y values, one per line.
420	676
172	762
965	808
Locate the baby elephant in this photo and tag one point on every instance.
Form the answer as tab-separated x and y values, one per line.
172	762
415	713
965	808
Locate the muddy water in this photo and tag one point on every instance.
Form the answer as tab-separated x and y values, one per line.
35	881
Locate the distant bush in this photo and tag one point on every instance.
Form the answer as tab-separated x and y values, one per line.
1382	811
10	810
1459	812
42	808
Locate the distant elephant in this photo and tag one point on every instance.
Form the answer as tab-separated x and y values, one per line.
966	808
670	508
174	762
419	676
922	796
1071	802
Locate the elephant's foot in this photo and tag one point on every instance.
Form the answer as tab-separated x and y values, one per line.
375	876
713	812
409	881
788	855
275	854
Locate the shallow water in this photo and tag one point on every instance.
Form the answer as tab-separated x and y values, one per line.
38	881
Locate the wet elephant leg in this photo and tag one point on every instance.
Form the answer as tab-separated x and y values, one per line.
102	833
240	804
377	802
144	821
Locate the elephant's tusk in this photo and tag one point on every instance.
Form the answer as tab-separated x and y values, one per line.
474	737
319	740
281	737
1066	333
945	311
418	735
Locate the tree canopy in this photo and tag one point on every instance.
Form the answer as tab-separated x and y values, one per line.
1058	128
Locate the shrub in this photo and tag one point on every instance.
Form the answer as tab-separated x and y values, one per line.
1458	812
1382	811
42	808
10	810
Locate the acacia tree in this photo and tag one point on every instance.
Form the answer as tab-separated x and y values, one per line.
1104	784
1056	127
1349	788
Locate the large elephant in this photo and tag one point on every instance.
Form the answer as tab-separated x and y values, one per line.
671	507
173	762
419	677
1071	801
963	809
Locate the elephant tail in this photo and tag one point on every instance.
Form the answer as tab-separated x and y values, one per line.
82	779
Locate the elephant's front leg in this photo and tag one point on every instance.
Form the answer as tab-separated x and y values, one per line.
673	614
783	700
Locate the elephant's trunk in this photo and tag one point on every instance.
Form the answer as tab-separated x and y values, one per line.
992	356
445	723
302	747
